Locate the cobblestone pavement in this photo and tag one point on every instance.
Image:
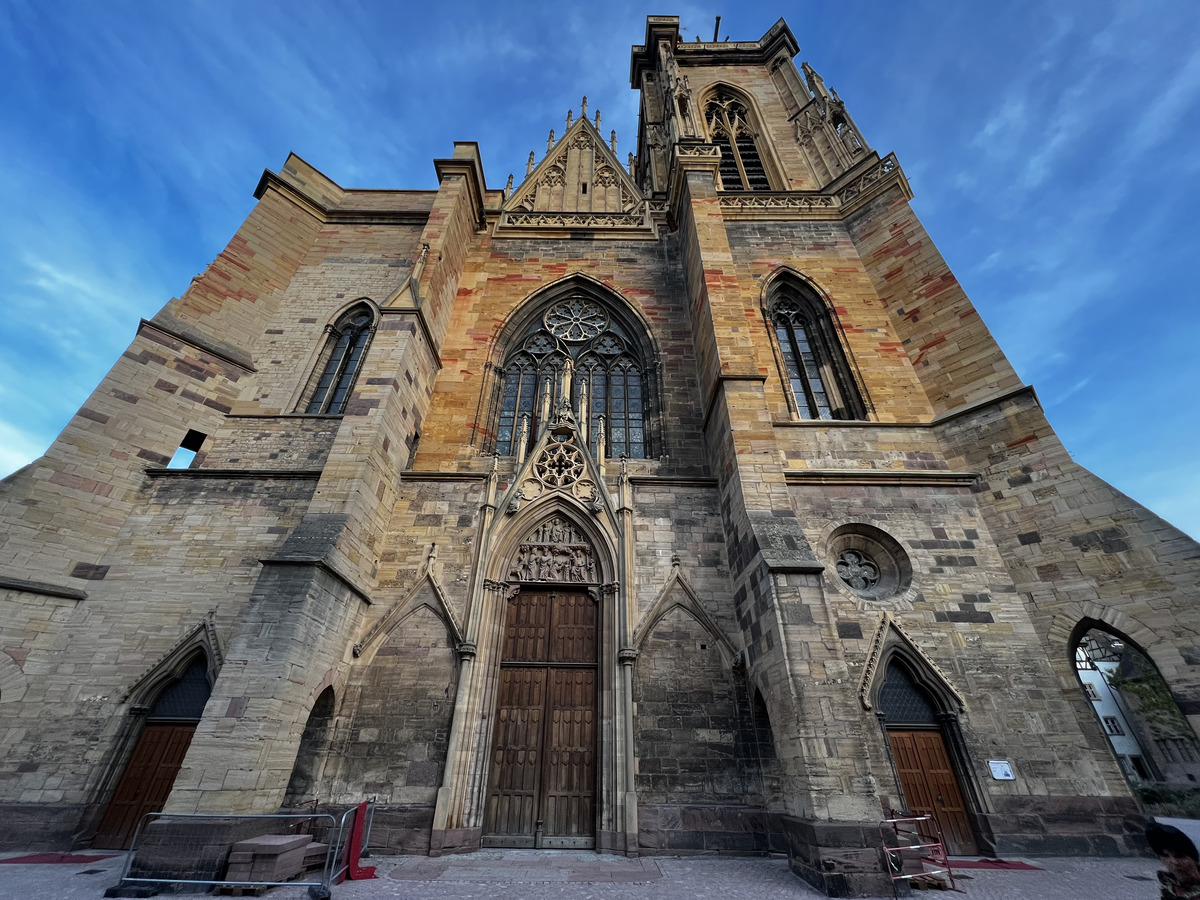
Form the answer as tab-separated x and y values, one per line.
579	875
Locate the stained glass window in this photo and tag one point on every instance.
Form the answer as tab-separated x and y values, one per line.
348	340
816	371
902	702
608	379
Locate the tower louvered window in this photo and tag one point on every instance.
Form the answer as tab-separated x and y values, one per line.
813	363
729	128
342	361
576	346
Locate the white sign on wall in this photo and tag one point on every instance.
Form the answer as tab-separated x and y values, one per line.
1001	770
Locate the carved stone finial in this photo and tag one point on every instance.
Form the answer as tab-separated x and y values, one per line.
597	120
570	117
675	560
612	138
508	187
583	108
632	163
529	165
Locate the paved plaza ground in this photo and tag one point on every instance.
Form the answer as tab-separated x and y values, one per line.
571	874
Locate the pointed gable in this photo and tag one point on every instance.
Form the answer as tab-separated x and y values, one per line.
579	185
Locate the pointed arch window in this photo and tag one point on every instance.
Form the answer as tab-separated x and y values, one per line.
576	346
729	128
341	362
821	386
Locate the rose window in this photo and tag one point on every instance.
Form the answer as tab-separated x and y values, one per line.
560	465
575	320
869	562
857	570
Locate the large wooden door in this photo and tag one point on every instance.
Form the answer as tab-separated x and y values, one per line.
542	778
145	783
931	787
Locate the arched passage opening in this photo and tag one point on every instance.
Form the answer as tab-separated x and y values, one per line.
306	772
1151	738
149	774
917	724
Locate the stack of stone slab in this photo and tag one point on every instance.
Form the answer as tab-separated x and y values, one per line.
273	857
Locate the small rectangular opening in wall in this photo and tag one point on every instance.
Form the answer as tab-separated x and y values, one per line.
188	447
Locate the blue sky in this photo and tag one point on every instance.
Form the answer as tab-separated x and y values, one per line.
1051	146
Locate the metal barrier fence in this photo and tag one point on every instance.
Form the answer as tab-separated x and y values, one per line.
194	849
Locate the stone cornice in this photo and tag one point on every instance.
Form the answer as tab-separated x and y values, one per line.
159	472
41	587
443	476
890	477
229	355
698	481
325	567
842	197
993	400
778	39
337	214
636	225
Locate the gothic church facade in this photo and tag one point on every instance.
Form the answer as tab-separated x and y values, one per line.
668	504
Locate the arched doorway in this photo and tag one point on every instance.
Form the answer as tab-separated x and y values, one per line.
306	772
542	774
923	767
150	773
1153	741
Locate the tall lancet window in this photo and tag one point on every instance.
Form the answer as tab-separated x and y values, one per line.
575	349
816	369
729	128
341	361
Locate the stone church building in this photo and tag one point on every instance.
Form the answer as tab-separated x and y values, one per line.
679	502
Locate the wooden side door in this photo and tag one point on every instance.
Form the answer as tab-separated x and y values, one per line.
931	787
145	783
542	778
569	780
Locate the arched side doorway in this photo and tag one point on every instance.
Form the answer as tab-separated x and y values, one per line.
150	773
923	766
306	771
542	772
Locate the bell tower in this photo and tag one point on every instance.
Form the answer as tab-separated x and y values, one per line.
777	128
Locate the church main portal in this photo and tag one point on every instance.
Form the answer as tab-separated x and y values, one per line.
542	774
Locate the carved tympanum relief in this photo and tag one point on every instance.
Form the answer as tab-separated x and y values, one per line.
555	551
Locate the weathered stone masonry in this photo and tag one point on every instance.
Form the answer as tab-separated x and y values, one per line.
803	509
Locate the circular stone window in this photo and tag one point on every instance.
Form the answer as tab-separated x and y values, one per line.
869	562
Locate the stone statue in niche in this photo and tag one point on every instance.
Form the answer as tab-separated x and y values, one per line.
554	551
